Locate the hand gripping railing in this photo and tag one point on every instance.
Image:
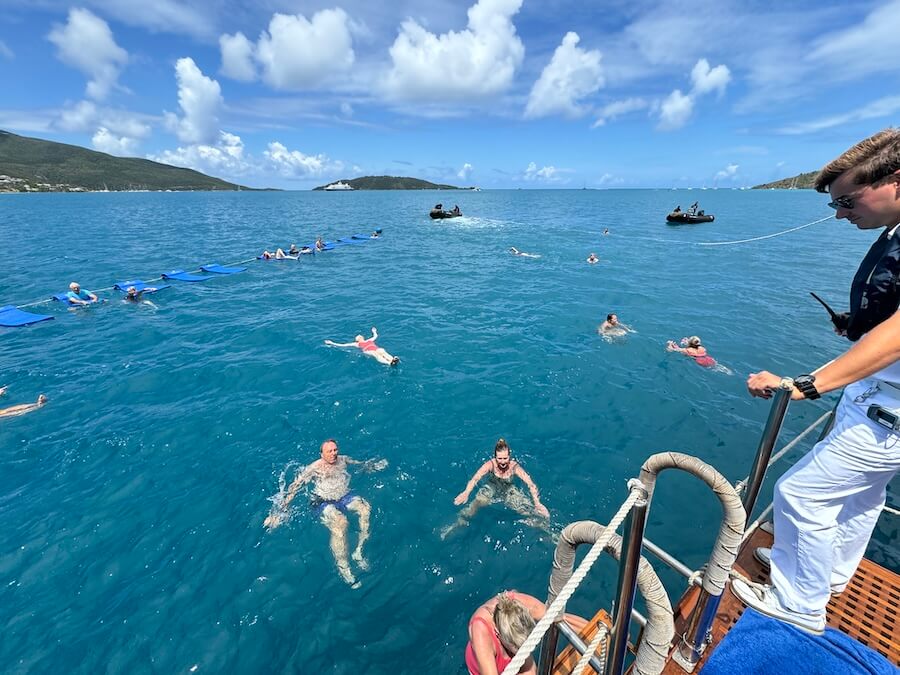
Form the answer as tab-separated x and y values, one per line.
557	607
723	554
657	637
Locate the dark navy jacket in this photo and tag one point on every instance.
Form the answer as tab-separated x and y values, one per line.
875	292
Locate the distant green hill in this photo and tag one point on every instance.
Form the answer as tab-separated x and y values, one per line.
391	183
804	181
63	167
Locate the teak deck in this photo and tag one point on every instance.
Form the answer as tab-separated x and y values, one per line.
867	610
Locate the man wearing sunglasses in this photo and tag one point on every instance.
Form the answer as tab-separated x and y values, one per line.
828	503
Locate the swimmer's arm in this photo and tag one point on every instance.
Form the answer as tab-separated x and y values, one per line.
340	344
463	496
535	495
374	334
304	477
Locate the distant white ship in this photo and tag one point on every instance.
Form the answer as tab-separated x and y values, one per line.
340	185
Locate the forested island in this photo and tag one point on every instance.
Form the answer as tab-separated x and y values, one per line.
389	183
35	165
803	181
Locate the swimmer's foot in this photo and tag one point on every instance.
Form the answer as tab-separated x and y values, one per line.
360	560
395	360
447	529
347	575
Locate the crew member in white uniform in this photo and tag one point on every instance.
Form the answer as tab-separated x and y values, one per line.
827	505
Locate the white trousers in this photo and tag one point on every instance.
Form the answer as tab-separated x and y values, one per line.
827	504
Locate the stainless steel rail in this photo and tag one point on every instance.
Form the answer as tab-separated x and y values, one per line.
628	571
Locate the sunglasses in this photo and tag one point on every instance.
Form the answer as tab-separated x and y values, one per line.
843	203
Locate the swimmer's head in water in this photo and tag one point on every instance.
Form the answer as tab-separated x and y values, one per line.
612	318
74	286
42	399
132	290
501	453
513	621
329	451
359	338
692	341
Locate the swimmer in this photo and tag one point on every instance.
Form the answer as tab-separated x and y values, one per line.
278	255
691	346
369	348
332	498
306	250
375	234
515	251
134	295
80	296
605	231
293	250
16	410
613	328
500	626
320	245
501	470
593	259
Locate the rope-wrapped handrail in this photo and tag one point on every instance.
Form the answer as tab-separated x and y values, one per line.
660	629
725	549
557	606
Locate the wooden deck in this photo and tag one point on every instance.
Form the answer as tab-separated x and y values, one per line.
867	611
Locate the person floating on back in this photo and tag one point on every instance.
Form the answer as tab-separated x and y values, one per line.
80	296
369	348
16	410
278	255
515	251
691	346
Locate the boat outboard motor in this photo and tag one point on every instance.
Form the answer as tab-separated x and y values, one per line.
875	292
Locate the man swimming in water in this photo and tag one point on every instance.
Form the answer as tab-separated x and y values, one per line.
502	469
332	498
593	259
613	328
515	251
16	410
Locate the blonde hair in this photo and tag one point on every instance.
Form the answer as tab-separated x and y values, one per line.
871	160
513	621
693	341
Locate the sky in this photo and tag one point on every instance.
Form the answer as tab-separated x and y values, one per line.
493	93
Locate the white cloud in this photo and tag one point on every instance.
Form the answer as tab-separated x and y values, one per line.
225	157
107	142
476	62
571	75
200	99
6	52
81	117
608	179
706	79
675	111
87	44
346	109
465	171
170	16
237	57
611	111
729	171
546	173
295	164
847	49
883	107
297	53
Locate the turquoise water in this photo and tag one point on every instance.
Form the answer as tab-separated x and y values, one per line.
131	506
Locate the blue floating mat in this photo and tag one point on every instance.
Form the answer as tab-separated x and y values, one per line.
361	236
218	269
764	646
13	317
138	286
181	275
328	246
349	240
64	297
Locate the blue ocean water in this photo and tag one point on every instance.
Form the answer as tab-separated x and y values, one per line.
131	506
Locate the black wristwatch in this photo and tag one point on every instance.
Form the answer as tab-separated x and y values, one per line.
806	385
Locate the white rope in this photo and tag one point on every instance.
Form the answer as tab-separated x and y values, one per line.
766	236
557	606
601	636
893	512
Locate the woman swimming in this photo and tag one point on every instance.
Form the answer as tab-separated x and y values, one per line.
690	346
369	348
278	255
